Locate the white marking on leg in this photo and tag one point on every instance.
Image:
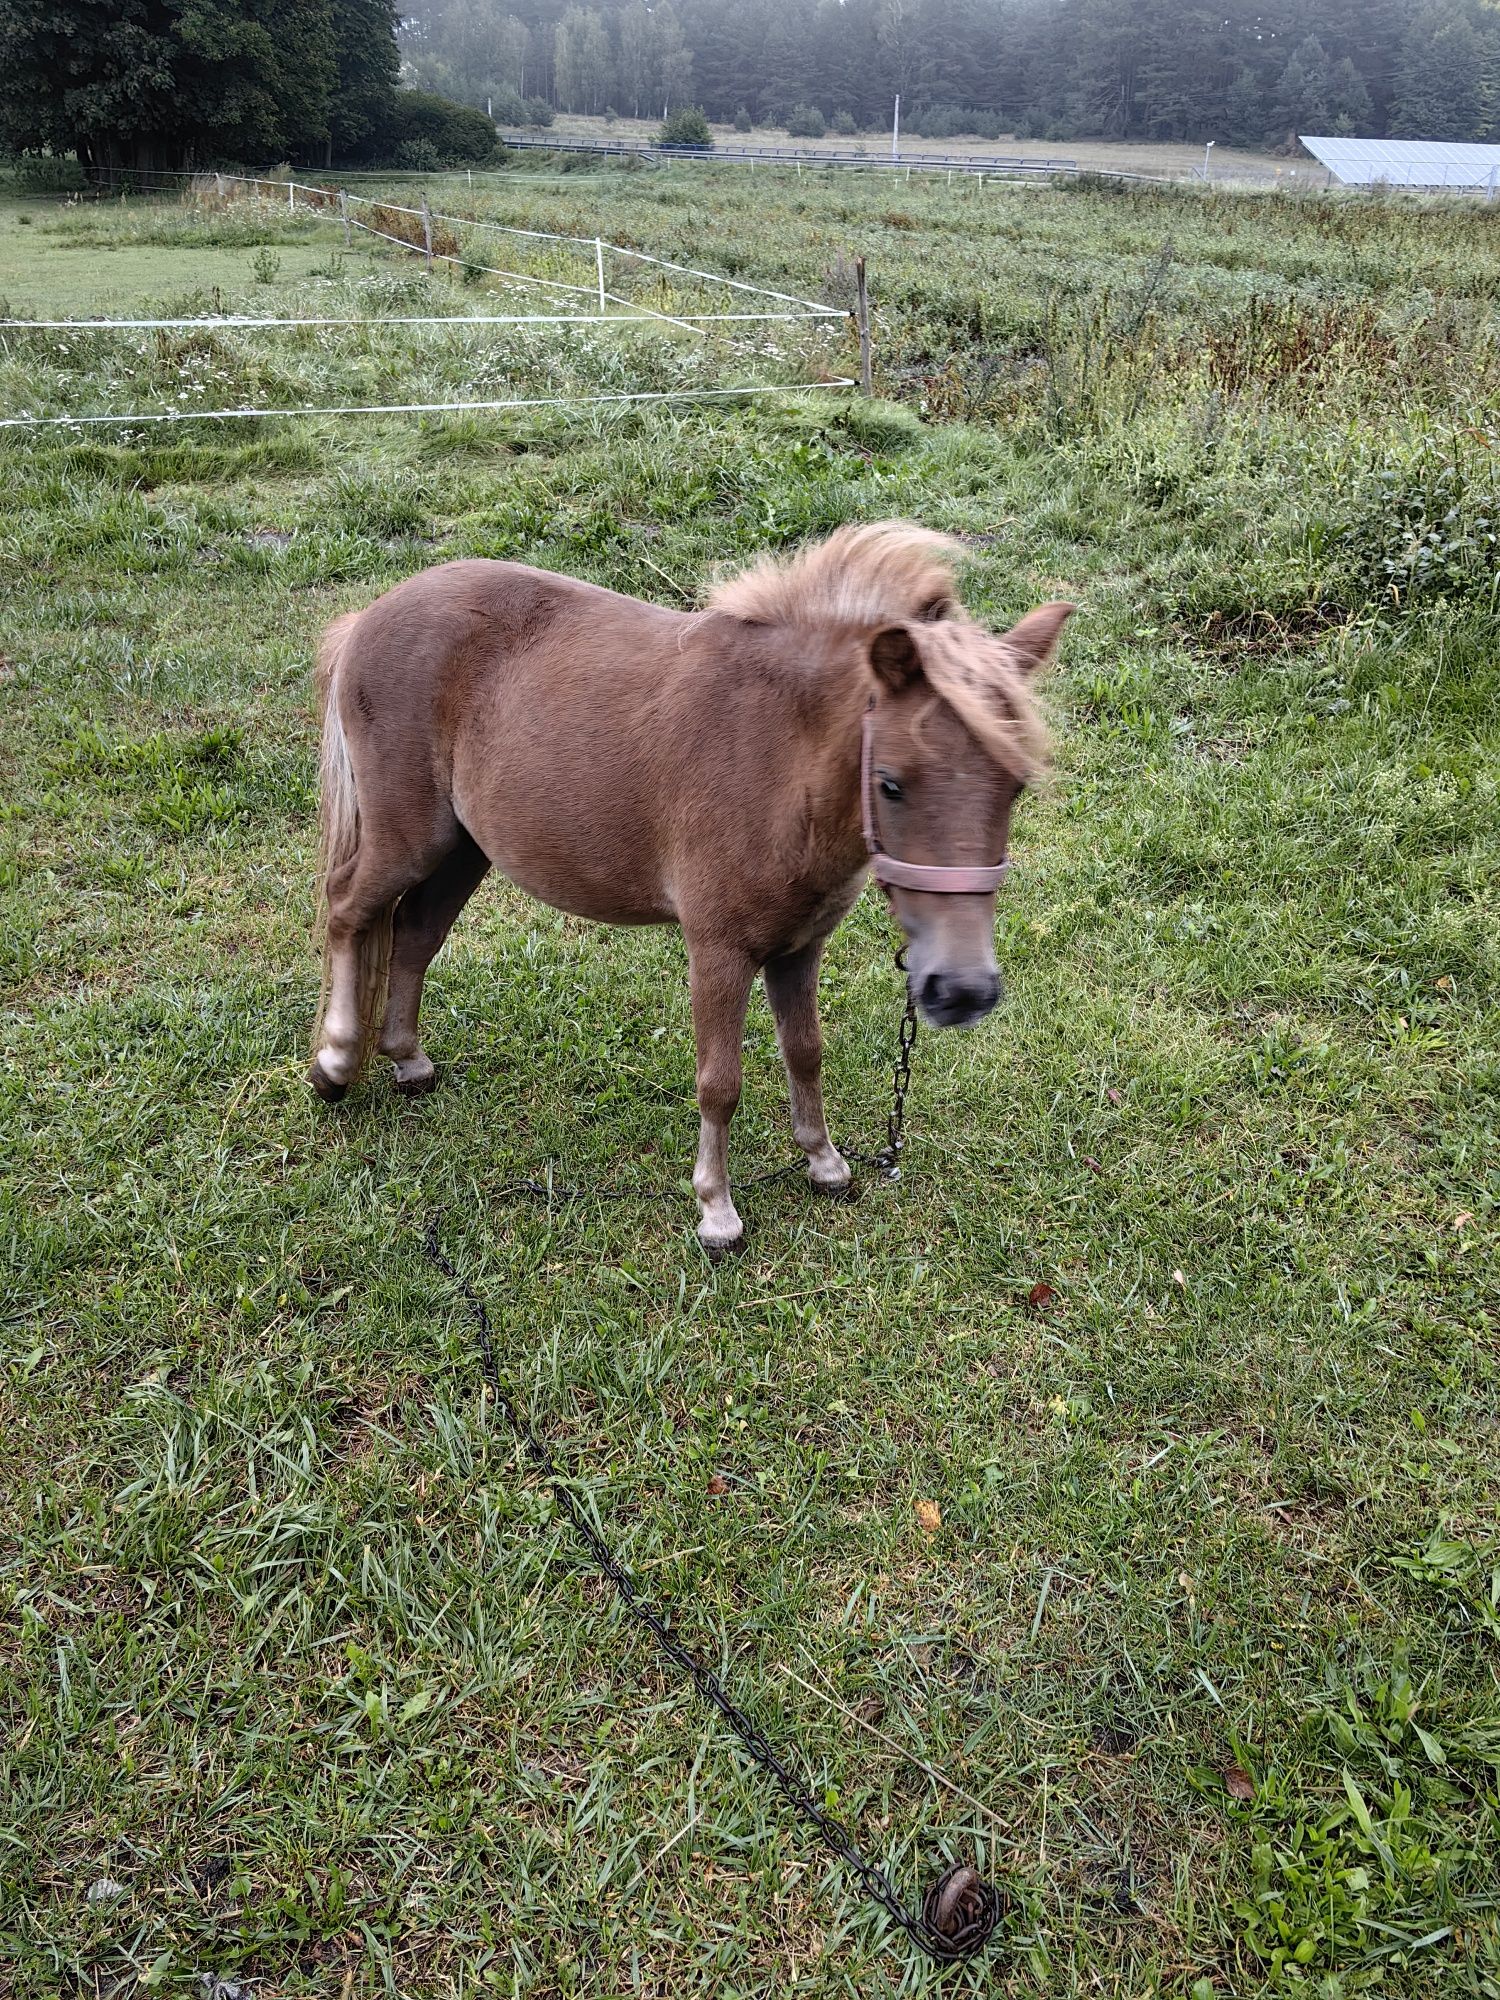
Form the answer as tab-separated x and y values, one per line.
719	1225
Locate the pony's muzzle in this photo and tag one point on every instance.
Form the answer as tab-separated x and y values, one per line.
957	999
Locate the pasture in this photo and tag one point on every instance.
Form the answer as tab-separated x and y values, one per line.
1181	1325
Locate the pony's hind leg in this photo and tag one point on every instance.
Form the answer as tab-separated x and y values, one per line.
792	989
362	898
424	917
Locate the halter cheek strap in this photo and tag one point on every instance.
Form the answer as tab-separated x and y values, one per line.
893	874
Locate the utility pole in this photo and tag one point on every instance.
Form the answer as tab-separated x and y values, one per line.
896	130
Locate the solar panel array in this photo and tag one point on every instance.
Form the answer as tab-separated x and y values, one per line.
1416	163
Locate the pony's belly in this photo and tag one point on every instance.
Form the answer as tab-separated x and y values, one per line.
579	895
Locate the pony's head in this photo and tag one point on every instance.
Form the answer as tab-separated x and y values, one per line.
954	736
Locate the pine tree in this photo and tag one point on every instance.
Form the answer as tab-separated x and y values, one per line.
1439	82
1246	113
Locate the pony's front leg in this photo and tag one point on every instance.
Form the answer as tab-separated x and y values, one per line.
792	989
721	979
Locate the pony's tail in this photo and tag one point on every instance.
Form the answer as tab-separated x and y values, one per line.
338	842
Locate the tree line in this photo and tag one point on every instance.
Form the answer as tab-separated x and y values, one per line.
1243	73
152	83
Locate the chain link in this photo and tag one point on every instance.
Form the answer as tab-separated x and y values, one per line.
960	1911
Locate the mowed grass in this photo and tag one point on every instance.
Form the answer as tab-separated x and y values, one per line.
1183	1314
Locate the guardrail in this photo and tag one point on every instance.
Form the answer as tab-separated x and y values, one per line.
1010	164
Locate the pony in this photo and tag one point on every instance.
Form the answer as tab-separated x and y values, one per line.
735	770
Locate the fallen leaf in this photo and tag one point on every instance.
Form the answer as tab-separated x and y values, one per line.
1115	1096
718	1484
1463	1218
1092	1164
1443	985
1237	1783
871	1709
1178	1278
1041	1294
929	1516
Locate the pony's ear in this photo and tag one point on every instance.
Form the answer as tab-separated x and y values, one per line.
1032	643
895	658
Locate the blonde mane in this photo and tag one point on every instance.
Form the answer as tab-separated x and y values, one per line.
877	574
896	573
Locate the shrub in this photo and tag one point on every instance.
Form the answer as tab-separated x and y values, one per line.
686	127
418	156
512	109
844	125
457	134
805	121
742	120
43	173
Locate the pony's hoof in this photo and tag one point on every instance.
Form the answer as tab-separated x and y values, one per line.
324	1085
834	1190
717	1248
417	1085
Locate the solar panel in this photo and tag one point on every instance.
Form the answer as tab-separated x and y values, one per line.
1417	163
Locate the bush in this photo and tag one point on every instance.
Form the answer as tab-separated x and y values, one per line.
456	135
805	121
844	125
42	173
742	120
512	109
950	121
686	127
418	156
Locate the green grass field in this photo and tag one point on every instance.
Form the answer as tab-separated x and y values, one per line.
303	1687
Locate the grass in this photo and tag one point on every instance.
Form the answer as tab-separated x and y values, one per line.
301	1681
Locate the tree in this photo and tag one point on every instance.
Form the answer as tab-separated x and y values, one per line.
148	83
1246	115
1439	82
675	56
1349	99
364	44
1303	95
687	128
638	64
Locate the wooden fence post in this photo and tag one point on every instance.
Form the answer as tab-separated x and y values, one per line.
427	231
862	316
344	213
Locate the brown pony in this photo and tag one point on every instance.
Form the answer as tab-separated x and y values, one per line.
638	765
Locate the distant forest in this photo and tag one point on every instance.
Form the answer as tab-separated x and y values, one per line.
1054	70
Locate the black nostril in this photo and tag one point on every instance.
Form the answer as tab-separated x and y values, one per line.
934	988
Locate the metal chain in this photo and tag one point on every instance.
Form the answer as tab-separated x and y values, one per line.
888	1159
960	1911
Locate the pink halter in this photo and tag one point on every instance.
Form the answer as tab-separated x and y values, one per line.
893	874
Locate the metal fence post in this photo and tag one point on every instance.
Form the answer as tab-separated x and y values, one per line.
862	317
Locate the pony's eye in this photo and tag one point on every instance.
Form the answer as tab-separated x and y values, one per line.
890	788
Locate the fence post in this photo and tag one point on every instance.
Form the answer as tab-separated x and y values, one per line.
862	316
427	231
291	195
344	213
219	186
599	254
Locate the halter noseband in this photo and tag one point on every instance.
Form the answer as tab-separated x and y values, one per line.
893	874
